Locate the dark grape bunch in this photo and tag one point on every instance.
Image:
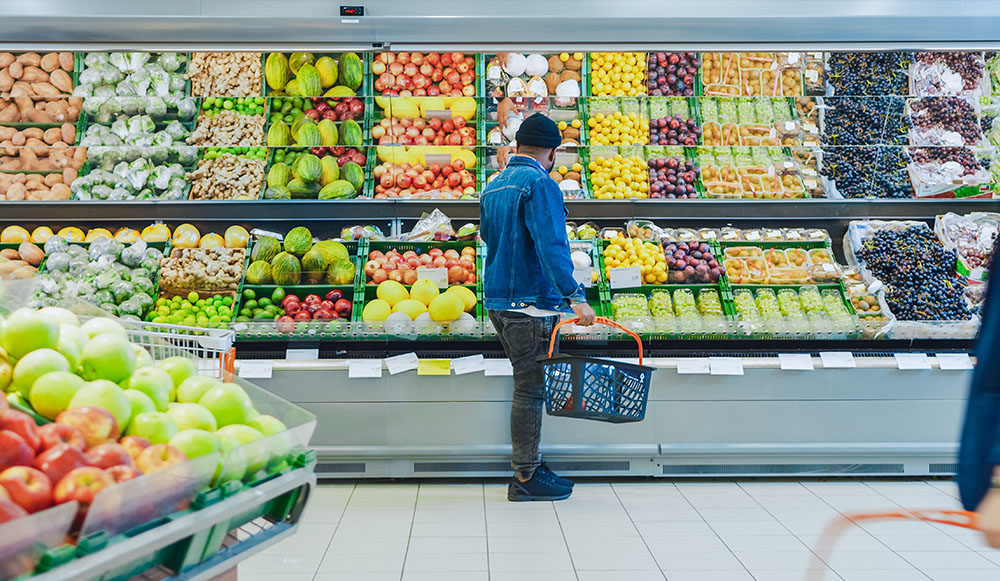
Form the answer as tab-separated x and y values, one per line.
919	275
940	155
969	65
869	73
672	74
947	113
865	121
868	172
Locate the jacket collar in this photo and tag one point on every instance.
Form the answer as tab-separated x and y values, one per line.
527	161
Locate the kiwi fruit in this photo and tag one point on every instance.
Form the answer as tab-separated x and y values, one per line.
555	65
574	64
555	175
571	133
570	75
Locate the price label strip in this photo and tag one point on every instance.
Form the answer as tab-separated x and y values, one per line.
364	369
837	360
438	276
954	361
725	365
434	367
401	363
912	361
796	361
498	368
697	366
256	369
470	364
629	277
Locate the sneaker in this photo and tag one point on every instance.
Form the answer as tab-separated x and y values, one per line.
544	468
541	487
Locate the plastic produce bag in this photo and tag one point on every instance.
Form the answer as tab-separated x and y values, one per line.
171	61
433	226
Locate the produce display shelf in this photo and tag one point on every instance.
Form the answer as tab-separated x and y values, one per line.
363	91
806	329
652	328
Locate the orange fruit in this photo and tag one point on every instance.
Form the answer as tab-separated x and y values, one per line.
155	233
237	237
212	240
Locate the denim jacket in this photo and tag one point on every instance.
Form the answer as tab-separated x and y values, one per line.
523	223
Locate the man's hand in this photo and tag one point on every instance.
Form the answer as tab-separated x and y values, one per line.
989	517
586	315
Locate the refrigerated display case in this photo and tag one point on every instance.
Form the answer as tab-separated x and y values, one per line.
794	152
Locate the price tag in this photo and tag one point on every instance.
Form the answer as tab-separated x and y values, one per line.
954	361
302	354
470	364
364	369
725	365
788	165
401	363
812	76
789	126
908	361
796	361
827	267
811	184
875	286
438	276
498	368
837	360
629	277
434	367
793	58
584	276
240	327
698	366
256	369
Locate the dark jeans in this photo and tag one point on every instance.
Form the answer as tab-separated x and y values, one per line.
524	338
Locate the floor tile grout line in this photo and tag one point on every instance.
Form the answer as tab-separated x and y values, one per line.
709	525
339	520
486	527
636	527
880	541
409	537
562	531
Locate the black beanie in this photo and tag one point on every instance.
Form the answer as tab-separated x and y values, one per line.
539	131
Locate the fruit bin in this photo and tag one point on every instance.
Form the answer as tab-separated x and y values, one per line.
366	188
363	91
556	112
271	329
153	523
828	322
693	325
477	69
172	113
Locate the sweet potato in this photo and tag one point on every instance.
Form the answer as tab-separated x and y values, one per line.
53	179
30	253
61	80
68	133
45	90
69	175
6	59
34	133
19	139
16	70
30	58
11	265
39	116
29	161
34	75
6	133
23	273
50	62
10	254
9	114
66	61
61	192
6	81
52	135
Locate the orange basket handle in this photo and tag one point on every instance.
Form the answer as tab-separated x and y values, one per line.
601	320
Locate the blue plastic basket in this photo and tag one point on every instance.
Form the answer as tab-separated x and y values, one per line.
591	388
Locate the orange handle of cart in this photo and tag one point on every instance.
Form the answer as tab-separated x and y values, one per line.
601	320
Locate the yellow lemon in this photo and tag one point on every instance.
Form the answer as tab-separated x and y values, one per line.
391	292
376	311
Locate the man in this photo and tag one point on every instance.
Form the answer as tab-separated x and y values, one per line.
979	457
528	283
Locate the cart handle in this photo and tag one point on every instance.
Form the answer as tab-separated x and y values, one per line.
601	320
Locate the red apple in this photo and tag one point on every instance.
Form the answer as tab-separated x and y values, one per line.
29	488
135	445
54	434
122	473
108	455
23	425
10	511
327	305
293	308
302	316
13	450
285	324
81	485
343	306
334	295
158	457
96	424
60	460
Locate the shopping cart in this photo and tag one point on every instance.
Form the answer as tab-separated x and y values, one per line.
837	527
595	389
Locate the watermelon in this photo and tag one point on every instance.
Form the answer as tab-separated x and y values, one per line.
298	241
259	272
351	134
341	273
314	266
353	174
279	135
337	190
302	190
276	71
308	135
332	250
309	82
279	175
327	132
298	59
308	168
265	248
352	71
285	270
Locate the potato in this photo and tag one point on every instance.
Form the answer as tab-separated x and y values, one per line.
60	192
555	175
52	135
10	254
9	115
10	266
572	175
50	62
6	59
30	253
66	61
555	64
34	133
69	175
16	70
61	80
23	273
18	139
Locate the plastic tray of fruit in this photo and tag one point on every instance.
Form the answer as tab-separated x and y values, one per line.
751	74
535	81
690	311
794	311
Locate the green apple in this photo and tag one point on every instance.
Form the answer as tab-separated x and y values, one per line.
141	403
193	388
27	330
107	356
190	416
179	368
76	334
278	437
36	364
155	383
233	465
195	443
6	370
52	392
249	440
229	404
142	357
100	326
104	394
156	427
64	316
69	349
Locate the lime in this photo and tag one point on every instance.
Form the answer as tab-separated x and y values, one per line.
249	294
278	295
251	304
265	302
246	313
192	296
227	301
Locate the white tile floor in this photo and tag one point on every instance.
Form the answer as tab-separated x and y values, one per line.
684	531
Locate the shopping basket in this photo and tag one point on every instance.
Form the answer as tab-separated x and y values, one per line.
595	389
837	527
